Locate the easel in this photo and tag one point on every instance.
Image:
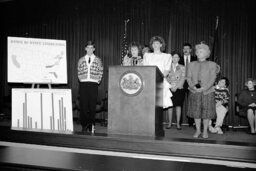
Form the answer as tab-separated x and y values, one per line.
38	86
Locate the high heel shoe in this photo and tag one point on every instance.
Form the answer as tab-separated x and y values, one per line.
178	128
168	126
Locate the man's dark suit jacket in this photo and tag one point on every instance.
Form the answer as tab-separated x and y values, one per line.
192	58
182	62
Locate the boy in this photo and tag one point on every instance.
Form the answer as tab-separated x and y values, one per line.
90	71
221	98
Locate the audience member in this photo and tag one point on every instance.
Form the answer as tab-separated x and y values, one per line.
185	60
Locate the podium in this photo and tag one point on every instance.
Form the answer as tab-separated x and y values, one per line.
135	101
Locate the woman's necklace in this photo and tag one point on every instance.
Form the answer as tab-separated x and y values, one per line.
251	92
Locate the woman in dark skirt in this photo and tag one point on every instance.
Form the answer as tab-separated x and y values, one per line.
247	101
201	100
176	78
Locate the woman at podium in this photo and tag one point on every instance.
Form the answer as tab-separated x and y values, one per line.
134	56
163	61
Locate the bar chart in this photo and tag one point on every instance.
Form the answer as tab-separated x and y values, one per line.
42	109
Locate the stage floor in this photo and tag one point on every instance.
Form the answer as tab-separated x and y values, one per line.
234	145
230	135
39	157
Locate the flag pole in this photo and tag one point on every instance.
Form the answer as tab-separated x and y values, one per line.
124	43
213	56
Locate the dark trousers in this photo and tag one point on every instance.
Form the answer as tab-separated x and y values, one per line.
88	99
190	120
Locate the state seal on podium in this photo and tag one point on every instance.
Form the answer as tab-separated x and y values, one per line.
131	83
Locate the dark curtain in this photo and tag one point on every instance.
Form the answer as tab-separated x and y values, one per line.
102	21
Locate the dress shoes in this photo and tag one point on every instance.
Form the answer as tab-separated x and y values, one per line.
168	126
179	128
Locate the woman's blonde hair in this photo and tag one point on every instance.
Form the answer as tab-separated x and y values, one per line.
204	47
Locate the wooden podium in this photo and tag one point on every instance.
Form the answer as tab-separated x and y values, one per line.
135	100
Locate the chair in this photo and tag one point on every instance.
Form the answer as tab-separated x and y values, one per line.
239	113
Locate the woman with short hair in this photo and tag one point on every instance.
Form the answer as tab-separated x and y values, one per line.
201	100
247	100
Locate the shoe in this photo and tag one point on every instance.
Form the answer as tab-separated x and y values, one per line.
205	136
93	129
197	134
178	128
168	126
251	133
219	131
212	130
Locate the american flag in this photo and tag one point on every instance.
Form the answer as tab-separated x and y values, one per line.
124	43
215	47
215	55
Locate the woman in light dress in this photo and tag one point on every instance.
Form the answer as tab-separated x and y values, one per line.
163	61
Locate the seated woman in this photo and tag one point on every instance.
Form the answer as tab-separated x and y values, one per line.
176	78
133	57
247	100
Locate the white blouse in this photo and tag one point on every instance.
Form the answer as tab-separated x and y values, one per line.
163	61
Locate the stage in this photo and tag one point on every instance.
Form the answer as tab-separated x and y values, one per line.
235	148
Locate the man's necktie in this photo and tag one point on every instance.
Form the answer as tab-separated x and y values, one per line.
186	66
89	60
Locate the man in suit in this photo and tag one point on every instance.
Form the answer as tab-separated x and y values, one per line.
185	60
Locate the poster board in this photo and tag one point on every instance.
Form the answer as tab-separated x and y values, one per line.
42	109
41	61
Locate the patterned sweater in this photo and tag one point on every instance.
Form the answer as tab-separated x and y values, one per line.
96	70
222	95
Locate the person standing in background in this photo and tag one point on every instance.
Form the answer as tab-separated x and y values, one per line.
185	60
201	100
145	49
176	78
90	72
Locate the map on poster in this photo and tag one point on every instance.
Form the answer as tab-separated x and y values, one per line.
33	60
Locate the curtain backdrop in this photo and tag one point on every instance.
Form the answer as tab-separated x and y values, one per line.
102	21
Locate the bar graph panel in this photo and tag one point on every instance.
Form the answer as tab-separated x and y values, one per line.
42	109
